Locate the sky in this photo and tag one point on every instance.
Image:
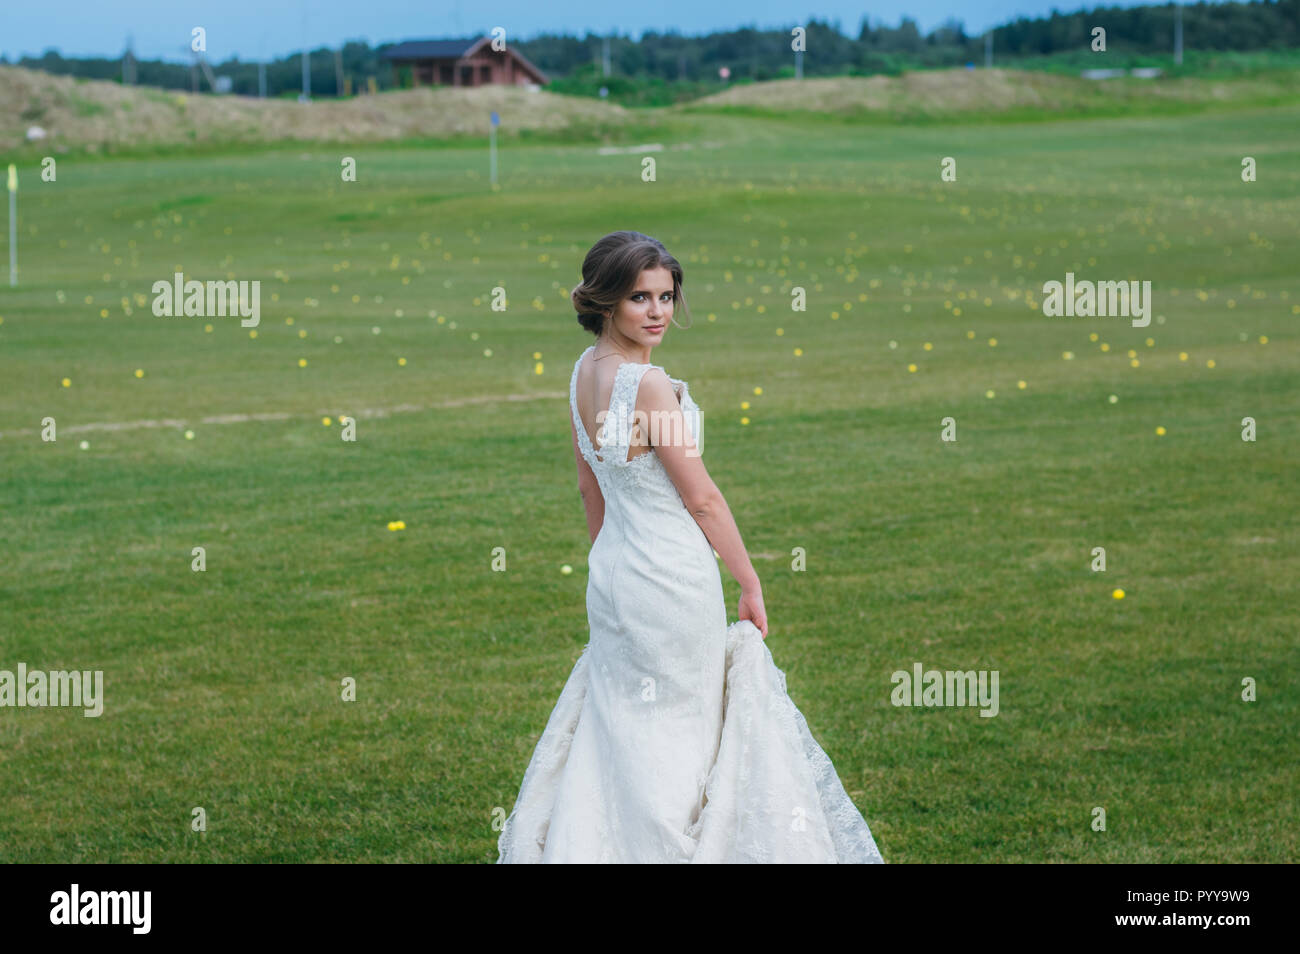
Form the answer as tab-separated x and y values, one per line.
254	29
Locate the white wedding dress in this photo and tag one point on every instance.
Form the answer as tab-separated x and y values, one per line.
673	739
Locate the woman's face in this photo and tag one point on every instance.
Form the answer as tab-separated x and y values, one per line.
645	311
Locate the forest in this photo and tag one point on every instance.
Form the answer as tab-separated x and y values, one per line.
690	64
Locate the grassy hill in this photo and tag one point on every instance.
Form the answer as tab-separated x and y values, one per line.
1006	93
96	116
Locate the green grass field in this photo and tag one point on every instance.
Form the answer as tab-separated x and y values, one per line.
223	687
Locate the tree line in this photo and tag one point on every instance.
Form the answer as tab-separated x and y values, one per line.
751	54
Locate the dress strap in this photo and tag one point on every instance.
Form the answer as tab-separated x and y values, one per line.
622	407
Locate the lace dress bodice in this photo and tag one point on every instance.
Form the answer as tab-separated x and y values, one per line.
643	478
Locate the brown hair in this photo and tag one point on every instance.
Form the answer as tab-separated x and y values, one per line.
610	271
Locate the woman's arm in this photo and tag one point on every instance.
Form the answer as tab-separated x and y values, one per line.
593	501
703	499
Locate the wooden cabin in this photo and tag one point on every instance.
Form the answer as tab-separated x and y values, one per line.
462	63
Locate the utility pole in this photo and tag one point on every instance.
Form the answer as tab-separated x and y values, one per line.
128	64
1178	34
261	80
207	71
306	64
605	55
988	50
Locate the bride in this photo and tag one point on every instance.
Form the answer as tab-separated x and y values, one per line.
673	739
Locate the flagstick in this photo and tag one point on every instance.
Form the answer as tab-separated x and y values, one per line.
13	225
492	146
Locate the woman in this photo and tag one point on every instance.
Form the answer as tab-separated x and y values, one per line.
673	739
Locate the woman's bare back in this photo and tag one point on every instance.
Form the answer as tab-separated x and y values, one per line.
594	388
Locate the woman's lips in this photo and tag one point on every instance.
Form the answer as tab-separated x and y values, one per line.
654	329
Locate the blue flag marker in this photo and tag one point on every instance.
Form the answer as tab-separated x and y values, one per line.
492	147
